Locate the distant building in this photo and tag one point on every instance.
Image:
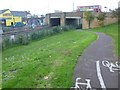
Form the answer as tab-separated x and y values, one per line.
95	8
23	14
8	17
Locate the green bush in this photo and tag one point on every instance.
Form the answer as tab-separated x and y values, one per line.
5	43
56	29
23	39
65	28
50	32
44	33
34	36
101	17
39	34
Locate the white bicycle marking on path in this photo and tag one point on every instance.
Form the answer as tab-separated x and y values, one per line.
78	84
112	66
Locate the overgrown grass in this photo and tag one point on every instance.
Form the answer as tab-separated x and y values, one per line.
111	30
27	37
46	63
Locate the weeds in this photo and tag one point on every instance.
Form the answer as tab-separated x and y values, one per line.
25	39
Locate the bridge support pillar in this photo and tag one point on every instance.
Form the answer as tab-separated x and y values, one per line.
63	19
47	19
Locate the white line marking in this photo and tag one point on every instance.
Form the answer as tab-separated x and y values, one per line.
99	75
78	84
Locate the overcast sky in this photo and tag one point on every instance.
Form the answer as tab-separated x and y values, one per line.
39	7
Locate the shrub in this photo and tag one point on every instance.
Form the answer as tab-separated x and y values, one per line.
101	17
23	39
50	32
34	36
65	28
56	29
44	33
37	35
26	39
6	43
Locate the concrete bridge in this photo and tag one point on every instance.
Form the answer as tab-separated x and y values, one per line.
64	18
76	19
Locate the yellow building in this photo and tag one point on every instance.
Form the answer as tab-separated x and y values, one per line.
8	19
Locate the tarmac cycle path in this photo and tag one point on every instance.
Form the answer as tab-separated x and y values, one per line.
98	66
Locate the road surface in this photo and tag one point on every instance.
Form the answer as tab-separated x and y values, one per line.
98	66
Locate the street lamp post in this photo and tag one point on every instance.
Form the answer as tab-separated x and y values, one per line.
48	6
110	5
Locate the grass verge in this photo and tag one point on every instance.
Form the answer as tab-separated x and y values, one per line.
48	63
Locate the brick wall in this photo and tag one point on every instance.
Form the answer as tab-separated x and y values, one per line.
108	20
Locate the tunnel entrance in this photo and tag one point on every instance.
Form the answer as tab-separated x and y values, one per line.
55	21
75	22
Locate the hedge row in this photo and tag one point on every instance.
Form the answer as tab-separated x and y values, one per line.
26	38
